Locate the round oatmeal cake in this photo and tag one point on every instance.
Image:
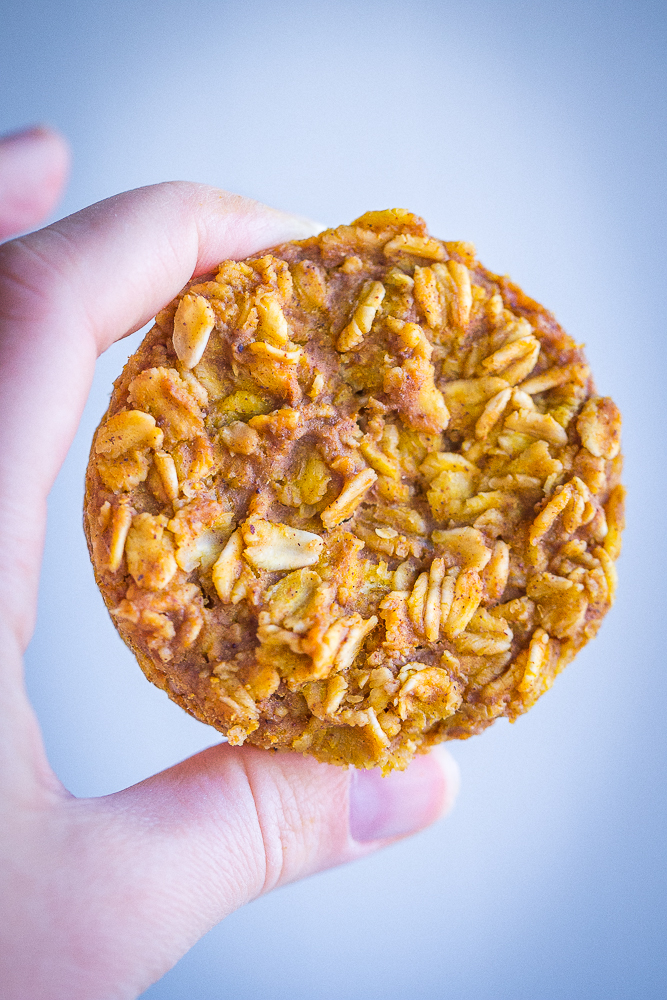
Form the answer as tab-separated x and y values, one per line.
356	496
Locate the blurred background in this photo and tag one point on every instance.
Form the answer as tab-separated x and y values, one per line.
538	131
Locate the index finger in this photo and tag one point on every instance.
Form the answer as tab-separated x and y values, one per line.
66	293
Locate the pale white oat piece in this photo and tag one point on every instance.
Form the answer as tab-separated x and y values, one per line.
193	324
278	547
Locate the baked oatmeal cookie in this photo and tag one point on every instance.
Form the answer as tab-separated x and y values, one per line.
356	496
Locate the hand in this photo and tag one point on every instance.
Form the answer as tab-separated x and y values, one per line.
100	897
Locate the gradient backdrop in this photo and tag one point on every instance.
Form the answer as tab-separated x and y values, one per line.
538	131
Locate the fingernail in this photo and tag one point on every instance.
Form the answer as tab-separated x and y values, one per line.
25	136
309	226
302	227
405	801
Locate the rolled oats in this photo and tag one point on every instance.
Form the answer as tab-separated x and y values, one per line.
193	324
356	496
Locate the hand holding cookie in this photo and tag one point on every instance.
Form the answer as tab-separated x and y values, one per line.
116	890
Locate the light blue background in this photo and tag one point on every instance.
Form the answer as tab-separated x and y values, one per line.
538	131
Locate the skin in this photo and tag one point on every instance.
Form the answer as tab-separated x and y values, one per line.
100	897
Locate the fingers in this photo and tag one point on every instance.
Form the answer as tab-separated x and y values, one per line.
189	846
34	165
69	291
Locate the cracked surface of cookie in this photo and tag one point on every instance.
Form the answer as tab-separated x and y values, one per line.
356	496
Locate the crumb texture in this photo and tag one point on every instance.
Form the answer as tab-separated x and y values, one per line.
356	496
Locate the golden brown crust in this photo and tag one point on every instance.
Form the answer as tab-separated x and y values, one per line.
356	496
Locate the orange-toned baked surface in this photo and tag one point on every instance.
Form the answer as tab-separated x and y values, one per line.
356	496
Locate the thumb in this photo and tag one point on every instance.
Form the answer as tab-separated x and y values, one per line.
192	844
